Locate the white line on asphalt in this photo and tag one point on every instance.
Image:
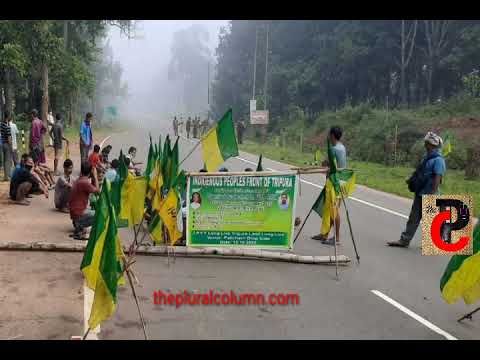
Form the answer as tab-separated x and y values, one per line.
103	141
318	186
415	316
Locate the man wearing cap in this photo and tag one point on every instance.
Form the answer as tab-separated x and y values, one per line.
433	169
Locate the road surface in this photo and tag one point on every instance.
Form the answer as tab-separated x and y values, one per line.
393	294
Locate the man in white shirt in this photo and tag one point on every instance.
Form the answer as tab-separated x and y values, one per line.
51	123
14	132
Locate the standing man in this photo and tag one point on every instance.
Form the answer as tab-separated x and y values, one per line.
56	133
14	132
240	130
37	132
175	126
430	173
86	137
51	123
6	135
340	153
187	126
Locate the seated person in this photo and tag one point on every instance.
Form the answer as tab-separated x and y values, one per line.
131	169
94	158
111	173
20	165
63	187
132	152
104	155
21	184
81	216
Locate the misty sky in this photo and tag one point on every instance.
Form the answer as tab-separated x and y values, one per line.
145	60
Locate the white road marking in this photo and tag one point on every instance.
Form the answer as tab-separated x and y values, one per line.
320	187
415	316
103	141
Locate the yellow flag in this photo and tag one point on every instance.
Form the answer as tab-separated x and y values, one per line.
329	208
157	197
168	212
133	199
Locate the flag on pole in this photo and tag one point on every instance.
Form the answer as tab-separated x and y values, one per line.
447	146
150	160
132	199
461	278
338	183
219	143
259	165
102	262
168	212
155	229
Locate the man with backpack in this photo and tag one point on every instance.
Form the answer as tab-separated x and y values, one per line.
424	181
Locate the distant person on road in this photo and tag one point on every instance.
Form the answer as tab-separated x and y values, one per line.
340	153
195	128
81	216
175	126
429	177
86	137
63	187
187	126
23	182
6	135
57	134
240	130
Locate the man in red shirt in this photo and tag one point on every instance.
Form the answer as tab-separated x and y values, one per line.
94	158
81	216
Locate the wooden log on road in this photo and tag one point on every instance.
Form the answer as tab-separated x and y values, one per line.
185	252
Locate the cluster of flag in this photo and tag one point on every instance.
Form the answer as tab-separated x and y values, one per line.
123	203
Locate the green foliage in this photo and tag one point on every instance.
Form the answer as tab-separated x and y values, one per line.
471	82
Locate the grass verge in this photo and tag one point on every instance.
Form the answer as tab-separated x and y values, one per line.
372	175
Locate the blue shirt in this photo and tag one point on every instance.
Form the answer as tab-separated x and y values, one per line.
86	133
432	167
15	170
340	154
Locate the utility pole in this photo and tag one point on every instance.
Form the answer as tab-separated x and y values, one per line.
208	92
255	63
266	72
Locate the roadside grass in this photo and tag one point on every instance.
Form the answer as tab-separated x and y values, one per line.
372	175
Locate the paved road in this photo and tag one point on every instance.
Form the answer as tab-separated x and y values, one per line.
393	294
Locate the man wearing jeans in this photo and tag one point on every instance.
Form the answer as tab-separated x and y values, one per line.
6	136
433	170
81	216
86	137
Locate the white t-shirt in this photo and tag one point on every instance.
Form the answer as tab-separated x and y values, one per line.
14	131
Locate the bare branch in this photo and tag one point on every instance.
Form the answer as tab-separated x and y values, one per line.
412	43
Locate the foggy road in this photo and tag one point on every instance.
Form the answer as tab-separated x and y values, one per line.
392	294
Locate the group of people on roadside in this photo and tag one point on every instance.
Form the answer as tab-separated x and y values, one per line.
196	126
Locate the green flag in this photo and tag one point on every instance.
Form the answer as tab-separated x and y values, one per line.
150	160
259	165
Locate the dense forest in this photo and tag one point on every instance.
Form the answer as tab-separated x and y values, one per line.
58	65
385	82
321	65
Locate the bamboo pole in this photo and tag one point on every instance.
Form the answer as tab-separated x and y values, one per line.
184	251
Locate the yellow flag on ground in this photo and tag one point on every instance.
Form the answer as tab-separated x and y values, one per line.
168	212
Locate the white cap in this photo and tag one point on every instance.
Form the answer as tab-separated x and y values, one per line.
433	139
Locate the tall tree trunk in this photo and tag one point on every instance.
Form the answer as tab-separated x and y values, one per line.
70	110
9	93
45	99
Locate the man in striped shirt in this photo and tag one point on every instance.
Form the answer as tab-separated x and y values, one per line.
6	135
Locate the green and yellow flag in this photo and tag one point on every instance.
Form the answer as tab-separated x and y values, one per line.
259	165
219	143
338	183
461	278
102	262
168	213
132	199
150	160
155	229
447	145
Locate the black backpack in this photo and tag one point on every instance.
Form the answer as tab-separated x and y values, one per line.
418	180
